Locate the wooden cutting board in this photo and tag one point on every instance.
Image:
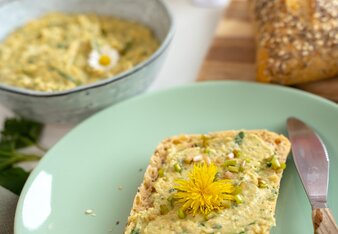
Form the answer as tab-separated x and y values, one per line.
232	53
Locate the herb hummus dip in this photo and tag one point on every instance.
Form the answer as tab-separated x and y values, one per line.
224	182
61	51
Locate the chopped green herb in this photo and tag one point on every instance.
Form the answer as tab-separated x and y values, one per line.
181	213
283	165
135	231
210	215
30	60
239	138
61	45
275	163
164	209
65	75
230	162
262	184
171	201
238	199
103	32
234	169
237	153
217	226
274	191
127	47
242	166
172	190
201	224
217	176
177	167
160	172
238	190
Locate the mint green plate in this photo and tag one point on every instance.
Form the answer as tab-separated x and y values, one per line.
99	165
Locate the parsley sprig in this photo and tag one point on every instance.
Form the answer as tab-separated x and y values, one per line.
16	135
239	138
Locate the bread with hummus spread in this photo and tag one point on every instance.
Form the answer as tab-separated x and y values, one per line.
221	182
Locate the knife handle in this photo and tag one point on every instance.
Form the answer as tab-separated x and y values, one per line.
323	221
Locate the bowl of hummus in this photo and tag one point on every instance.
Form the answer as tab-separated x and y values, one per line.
61	61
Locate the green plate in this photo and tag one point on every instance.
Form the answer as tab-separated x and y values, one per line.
99	164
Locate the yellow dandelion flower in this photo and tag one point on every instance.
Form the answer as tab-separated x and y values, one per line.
200	193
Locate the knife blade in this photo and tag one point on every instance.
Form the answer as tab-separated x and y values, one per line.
312	163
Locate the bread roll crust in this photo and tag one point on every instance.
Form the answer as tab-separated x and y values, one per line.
297	40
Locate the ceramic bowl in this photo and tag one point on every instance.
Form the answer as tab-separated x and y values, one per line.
76	104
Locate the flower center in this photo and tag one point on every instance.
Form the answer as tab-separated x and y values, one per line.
104	60
200	193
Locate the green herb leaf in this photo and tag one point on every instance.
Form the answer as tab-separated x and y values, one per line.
16	134
239	138
65	75
20	133
7	160
217	226
61	46
201	224
7	146
127	47
13	179
135	231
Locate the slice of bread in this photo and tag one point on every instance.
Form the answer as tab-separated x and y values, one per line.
252	161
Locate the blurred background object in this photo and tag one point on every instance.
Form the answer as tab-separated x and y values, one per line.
210	3
232	54
78	103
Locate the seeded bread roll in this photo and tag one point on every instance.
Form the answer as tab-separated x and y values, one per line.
256	151
297	40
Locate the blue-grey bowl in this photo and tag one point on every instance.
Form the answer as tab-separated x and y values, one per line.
76	104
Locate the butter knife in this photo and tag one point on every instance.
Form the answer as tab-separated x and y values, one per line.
312	163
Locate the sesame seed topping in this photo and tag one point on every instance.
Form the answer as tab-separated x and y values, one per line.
280	26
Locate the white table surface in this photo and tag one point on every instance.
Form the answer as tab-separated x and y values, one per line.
194	32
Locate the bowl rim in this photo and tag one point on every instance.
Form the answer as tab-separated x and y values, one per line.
164	45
